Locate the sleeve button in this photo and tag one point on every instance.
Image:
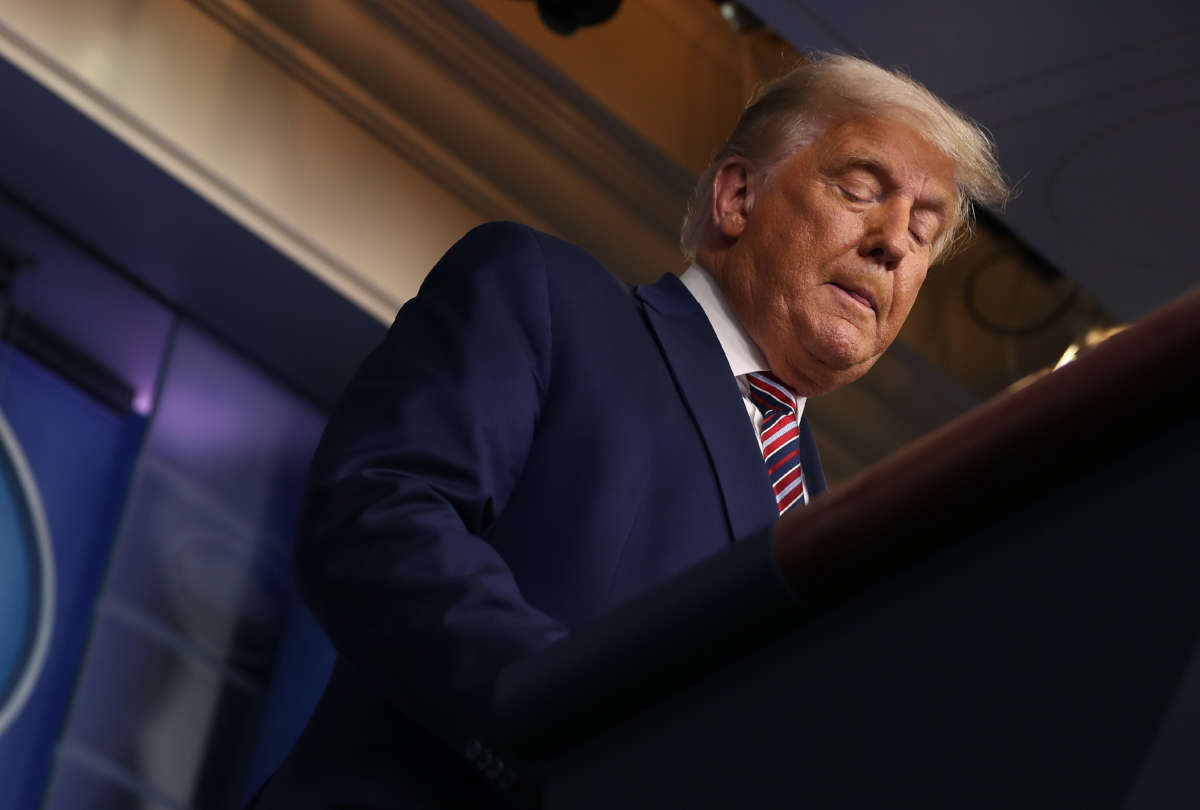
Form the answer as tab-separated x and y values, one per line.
473	750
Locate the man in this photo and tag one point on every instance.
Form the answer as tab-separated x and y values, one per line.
533	443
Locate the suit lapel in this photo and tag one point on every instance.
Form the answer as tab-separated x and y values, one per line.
814	475
710	393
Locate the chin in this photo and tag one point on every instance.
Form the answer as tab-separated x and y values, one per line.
841	344
824	359
831	371
846	354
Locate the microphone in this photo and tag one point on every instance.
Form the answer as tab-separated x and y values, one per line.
565	16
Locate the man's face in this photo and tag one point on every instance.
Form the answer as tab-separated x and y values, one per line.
833	247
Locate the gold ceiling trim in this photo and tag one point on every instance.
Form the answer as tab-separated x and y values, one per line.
492	69
534	95
307	67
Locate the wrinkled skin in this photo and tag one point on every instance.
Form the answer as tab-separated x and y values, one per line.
822	256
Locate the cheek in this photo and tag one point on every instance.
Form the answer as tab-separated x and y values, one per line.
837	230
906	296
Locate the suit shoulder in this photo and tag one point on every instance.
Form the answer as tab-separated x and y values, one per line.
493	240
512	243
515	236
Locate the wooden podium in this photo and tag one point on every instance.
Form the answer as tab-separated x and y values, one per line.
1005	614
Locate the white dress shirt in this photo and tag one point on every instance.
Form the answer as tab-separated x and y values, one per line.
741	353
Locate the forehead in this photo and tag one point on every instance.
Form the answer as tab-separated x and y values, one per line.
889	147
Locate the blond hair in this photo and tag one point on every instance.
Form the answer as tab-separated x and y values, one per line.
792	111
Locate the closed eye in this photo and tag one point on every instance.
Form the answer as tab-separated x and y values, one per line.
850	195
922	225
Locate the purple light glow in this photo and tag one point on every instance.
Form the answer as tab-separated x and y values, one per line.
242	438
87	305
143	402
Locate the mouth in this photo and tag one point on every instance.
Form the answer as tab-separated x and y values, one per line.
859	295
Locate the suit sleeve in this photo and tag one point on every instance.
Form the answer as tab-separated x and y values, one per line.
418	460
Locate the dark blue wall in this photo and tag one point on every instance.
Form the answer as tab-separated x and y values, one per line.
167	374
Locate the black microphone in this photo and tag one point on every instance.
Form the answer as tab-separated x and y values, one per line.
565	16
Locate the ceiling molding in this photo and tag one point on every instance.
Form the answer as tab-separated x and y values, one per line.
304	65
532	94
553	117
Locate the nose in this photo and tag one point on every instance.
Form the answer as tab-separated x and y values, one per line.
885	238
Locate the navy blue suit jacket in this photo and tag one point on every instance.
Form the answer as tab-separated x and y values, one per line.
532	444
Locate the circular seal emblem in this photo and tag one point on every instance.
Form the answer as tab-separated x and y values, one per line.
26	580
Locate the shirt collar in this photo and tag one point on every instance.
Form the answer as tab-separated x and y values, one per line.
740	351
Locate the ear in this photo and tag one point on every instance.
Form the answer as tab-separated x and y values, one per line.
733	197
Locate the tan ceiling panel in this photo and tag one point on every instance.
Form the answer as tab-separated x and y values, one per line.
670	69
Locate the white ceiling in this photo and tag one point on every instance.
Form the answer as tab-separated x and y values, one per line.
1095	107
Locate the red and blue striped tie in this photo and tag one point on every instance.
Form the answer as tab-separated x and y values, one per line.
779	436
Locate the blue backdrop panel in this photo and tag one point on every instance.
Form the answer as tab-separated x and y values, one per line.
81	454
202	668
24	605
26	579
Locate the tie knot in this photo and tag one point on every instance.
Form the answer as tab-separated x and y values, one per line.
769	393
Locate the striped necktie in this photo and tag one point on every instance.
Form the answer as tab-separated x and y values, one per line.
779	436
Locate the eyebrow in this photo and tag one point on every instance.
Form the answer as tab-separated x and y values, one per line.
863	161
939	205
